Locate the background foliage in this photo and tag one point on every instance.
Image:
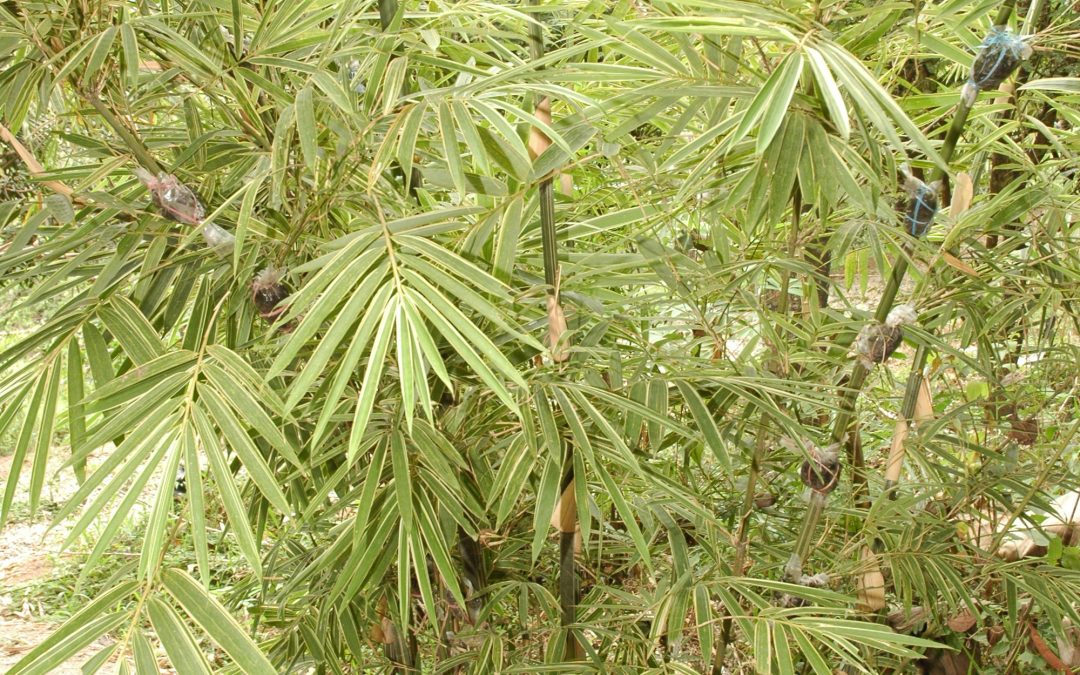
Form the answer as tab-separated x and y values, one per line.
385	460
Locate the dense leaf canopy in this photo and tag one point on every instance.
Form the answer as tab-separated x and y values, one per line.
402	291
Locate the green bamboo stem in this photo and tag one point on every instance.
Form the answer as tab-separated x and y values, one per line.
548	234
568	585
758	457
742	535
137	147
915	377
846	412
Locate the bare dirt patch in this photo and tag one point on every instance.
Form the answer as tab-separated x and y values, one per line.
28	553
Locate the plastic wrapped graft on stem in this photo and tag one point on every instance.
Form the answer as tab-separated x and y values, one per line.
821	470
173	198
999	55
267	292
920	207
819	580
220	240
876	342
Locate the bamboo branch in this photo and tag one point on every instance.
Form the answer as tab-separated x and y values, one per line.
137	147
32	164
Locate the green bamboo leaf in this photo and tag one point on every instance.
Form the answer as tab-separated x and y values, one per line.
254	463
97	355
705	423
784	77
830	92
1065	85
89	630
119	515
703	612
763	653
230	495
776	107
785	665
135	334
180	645
111	427
450	146
328	301
361	306
98	661
627	514
352	356
60	208
559	154
411	377
511	479
547	495
402	479
874	100
22	444
194	481
243	220
305	127
79	52
369	388
219	625
145	662
76	412
102	46
506	245
130	46
412	117
139	381
456	327
146	432
153	547
425	341
394	83
379	543
251	411
46	423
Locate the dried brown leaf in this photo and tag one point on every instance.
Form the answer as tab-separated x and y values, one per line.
556	337
538	140
963	621
870	585
924	404
962	192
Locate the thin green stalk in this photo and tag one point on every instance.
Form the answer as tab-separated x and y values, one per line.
742	534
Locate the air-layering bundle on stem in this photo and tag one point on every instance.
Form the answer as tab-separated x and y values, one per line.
267	292
178	203
921	205
999	55
876	342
